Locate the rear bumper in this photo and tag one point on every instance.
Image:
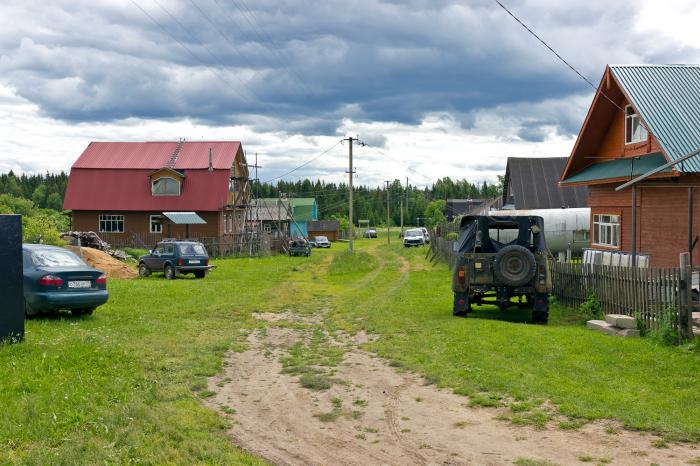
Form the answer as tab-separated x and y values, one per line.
49	301
192	268
323	245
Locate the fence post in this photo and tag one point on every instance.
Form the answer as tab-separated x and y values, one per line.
684	298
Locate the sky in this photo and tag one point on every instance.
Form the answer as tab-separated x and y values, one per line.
433	88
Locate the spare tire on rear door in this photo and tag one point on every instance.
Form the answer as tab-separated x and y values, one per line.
515	265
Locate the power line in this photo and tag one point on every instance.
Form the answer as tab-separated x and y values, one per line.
259	33
403	165
226	38
305	163
188	50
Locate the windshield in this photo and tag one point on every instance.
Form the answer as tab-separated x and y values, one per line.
412	233
55	258
321	238
192	249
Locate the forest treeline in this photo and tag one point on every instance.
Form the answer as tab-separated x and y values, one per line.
46	191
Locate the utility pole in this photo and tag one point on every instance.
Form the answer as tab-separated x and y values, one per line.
407	219
351	226
388	230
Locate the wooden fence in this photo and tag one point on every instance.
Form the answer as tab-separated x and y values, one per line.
646	293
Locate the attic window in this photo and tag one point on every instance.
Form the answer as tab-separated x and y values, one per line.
165	187
634	129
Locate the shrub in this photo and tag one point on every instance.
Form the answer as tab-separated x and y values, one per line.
667	331
591	308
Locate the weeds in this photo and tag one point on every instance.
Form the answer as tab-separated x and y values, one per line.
667	331
591	308
316	382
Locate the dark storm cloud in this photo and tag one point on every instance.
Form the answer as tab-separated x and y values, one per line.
301	67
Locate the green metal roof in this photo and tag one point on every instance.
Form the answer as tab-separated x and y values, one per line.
619	168
184	218
302	201
668	99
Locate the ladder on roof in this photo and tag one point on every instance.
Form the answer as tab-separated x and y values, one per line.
176	153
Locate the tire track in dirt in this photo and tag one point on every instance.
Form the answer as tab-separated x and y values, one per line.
392	418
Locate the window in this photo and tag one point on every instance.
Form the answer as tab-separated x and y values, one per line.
111	223
267	227
165	187
634	129
606	230
55	258
156	225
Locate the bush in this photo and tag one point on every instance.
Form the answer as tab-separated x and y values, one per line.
452	236
591	308
667	331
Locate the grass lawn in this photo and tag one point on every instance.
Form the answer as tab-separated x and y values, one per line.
124	385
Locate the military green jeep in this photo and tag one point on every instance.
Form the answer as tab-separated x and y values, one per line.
502	258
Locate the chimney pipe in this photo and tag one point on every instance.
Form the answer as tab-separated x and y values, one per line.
211	167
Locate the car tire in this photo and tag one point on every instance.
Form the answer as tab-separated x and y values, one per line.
144	271
514	265
540	317
87	311
200	274
169	272
28	311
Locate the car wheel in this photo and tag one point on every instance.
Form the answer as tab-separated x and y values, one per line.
144	271
87	311
169	272
199	274
540	317
28	311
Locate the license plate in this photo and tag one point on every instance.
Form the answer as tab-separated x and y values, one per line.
194	262
80	284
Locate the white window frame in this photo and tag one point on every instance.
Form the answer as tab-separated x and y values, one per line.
606	231
113	219
153	183
157	224
630	119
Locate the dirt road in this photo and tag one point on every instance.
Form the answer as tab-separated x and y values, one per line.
374	414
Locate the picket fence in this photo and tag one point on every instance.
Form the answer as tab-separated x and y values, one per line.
644	293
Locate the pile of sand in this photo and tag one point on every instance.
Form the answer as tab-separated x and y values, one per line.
114	268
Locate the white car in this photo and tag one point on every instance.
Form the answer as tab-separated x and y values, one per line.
320	242
426	235
414	237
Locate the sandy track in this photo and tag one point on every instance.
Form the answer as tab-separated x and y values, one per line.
398	421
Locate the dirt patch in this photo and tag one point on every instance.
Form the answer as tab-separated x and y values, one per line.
376	415
113	268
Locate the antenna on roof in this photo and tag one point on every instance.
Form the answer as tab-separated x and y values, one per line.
211	167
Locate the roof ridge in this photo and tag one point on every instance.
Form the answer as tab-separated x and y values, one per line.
655	65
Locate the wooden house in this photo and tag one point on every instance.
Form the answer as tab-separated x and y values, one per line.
121	190
641	118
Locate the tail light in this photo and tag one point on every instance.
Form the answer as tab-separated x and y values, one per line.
50	280
206	261
461	275
101	280
181	262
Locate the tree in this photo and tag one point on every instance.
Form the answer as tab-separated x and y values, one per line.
435	213
39	196
54	201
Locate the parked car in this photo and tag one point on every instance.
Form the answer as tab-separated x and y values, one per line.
320	242
299	247
426	235
176	257
370	233
413	237
501	258
55	279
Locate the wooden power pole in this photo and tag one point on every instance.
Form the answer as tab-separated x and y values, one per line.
388	229
351	226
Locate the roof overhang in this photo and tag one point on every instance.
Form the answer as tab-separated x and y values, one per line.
184	218
167	170
619	170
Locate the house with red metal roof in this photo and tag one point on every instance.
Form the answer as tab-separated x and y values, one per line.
121	190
